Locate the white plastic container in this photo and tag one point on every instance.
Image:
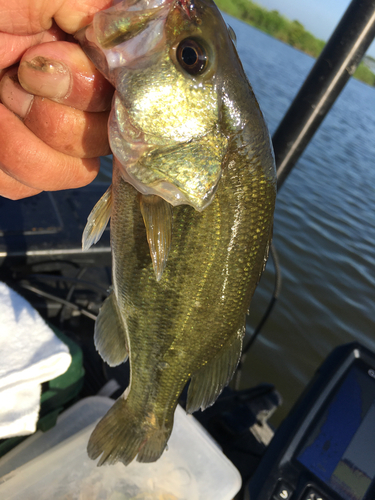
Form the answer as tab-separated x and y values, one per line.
77	417
192	468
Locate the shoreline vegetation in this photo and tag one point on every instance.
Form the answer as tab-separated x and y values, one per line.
291	32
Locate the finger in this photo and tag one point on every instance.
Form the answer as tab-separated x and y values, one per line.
68	130
73	15
14	190
29	160
65	129
32	16
12	46
62	72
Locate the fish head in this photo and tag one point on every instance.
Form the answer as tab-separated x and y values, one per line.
168	61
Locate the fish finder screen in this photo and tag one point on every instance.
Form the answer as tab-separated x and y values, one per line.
340	449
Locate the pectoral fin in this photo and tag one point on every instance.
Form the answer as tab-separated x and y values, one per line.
110	334
157	216
206	385
97	220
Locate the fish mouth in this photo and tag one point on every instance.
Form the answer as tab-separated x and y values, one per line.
127	31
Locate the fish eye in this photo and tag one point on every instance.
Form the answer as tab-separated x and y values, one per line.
192	56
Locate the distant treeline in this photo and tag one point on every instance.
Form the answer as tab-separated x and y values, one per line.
290	32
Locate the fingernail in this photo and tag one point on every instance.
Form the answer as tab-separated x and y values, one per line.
13	96
45	77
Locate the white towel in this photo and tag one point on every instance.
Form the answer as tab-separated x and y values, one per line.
30	354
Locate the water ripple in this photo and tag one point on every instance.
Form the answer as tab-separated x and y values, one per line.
324	225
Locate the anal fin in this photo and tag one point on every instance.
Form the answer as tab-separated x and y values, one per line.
97	220
110	335
157	216
207	384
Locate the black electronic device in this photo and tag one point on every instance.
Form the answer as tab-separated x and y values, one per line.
325	448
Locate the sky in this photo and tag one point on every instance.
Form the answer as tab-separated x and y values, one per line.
320	17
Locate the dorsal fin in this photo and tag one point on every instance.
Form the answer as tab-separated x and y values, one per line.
97	220
157	216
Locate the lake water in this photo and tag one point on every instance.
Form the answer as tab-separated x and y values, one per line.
324	226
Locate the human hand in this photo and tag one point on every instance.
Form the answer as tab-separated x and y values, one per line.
54	104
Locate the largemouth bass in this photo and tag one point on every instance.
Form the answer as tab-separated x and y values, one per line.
191	207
